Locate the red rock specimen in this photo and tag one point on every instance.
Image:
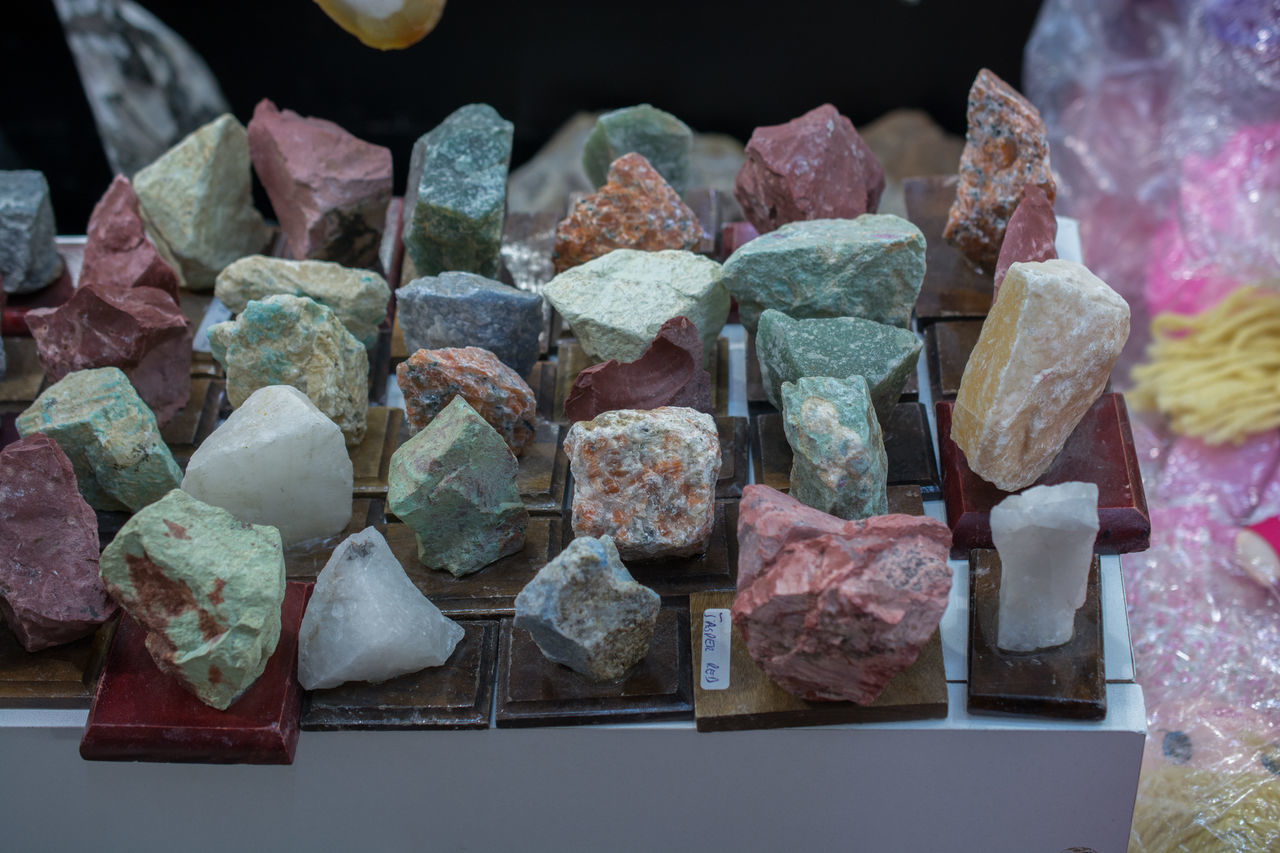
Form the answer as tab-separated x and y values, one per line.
1030	234
432	377
1006	149
831	609
813	167
50	592
118	253
329	189
635	209
139	330
669	373
734	236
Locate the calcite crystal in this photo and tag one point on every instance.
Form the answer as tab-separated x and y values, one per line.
1005	149
366	621
457	192
328	189
661	138
1044	355
831	609
1045	540
28	256
294	340
277	460
813	167
1030	234
385	25
454	485
635	209
118	253
206	587
50	592
646	478
110	436
585	610
431	379
197	201
870	267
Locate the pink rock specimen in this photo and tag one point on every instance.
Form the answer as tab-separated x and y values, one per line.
140	330
50	592
329	189
831	609
813	167
669	373
118	253
1030	234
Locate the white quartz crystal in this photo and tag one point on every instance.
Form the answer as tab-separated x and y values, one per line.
277	460
366	621
1045	539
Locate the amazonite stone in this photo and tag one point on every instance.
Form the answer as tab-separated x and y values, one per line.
664	140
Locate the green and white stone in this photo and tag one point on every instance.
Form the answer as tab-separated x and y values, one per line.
664	140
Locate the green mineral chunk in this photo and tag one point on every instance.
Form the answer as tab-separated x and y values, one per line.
839	464
664	140
839	346
206	587
870	267
454	484
457	193
110	436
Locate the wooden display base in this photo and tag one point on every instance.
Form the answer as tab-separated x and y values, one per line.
542	381
61	677
13	314
953	287
303	562
399	349
544	470
947	346
371	459
1064	681
194	306
23	375
734	456
193	424
380	364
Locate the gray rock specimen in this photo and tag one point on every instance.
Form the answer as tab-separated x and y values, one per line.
664	140
29	258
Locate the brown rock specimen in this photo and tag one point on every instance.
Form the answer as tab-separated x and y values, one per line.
118	253
1030	234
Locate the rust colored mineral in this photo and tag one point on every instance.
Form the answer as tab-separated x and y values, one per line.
118	253
1030	235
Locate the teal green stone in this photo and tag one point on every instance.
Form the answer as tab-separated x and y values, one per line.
664	140
838	463
207	588
110	436
838	346
457	193
454	485
870	267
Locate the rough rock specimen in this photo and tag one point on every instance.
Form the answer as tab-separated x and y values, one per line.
616	304
294	340
140	330
661	138
838	463
110	436
585	610
870	267
277	460
885	356
461	309
1030	234
1005	149
669	373
386	26
118	253
1045	540
50	592
430	379
366	621
206	587
1043	357
635	209
358	296
646	478
197	201
831	609
813	167
454	484
329	189
457	193
29	258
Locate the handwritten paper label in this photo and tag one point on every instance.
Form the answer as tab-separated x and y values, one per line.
716	631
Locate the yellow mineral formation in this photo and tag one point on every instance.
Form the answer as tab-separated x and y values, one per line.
385	24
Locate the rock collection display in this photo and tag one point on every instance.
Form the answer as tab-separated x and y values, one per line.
118	253
28	257
661	138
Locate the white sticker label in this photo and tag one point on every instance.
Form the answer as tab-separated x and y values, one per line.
216	313
716	631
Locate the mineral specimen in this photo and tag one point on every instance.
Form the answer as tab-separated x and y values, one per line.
110	436
206	587
454	485
1043	357
1030	234
834	610
585	611
1005	150
28	257
118	253
50	592
813	167
1045	540
277	460
366	621
386	26
870	267
294	340
661	138
646	478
